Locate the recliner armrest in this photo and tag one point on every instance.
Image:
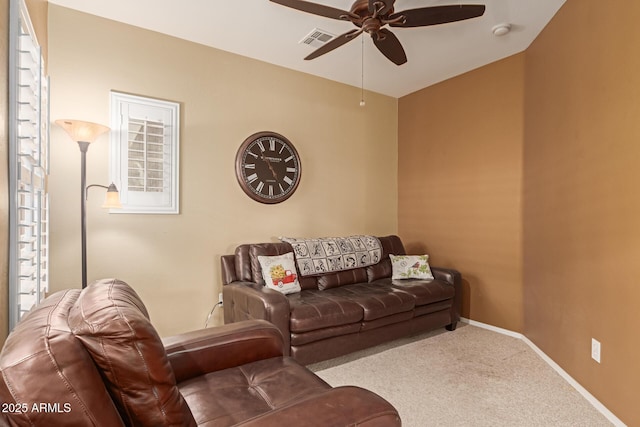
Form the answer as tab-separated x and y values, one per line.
202	351
340	406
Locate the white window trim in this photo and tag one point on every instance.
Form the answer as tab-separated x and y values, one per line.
118	153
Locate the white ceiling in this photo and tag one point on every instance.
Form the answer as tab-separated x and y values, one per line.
270	32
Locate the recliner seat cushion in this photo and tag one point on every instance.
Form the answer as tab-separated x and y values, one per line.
233	395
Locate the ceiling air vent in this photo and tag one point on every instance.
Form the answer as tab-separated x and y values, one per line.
317	38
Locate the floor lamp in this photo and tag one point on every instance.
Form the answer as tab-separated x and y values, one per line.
84	133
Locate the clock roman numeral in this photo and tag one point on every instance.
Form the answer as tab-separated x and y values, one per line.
250	166
288	180
288	159
272	144
251	178
291	170
260	187
255	156
261	145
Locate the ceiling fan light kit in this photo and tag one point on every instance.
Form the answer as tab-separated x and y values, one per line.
372	16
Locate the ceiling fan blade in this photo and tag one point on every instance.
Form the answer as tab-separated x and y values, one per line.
437	15
387	5
335	43
390	46
316	9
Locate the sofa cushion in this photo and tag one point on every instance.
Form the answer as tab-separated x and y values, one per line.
349	277
379	271
311	310
113	324
390	245
376	299
424	291
303	338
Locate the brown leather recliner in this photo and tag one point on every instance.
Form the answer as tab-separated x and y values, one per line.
92	358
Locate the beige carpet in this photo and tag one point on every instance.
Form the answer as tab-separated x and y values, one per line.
469	377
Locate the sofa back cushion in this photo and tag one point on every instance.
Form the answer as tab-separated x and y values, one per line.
113	324
247	266
43	364
264	249
390	245
341	278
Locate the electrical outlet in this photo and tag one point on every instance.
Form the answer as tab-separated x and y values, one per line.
595	349
220	299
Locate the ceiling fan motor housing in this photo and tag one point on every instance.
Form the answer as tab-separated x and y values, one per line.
371	16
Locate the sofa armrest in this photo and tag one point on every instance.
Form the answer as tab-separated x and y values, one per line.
202	351
448	275
340	406
248	300
454	278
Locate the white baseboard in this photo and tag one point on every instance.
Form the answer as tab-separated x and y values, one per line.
583	391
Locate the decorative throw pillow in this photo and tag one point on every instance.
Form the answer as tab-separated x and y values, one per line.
279	273
410	267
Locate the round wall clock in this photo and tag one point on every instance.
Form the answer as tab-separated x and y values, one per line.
268	167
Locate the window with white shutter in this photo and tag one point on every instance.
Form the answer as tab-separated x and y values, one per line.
145	153
28	167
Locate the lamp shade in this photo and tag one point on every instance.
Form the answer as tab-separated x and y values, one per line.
82	131
113	198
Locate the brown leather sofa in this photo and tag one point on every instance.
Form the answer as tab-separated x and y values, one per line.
358	308
92	358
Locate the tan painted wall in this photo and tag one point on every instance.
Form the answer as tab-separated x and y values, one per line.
349	161
460	175
582	204
38	12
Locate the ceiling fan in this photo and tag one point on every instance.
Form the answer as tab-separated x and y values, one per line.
371	16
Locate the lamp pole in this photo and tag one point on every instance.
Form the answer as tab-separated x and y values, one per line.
84	146
85	133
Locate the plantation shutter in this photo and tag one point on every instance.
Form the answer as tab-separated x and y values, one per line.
144	154
28	167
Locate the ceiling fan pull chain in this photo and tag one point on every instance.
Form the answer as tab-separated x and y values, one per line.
362	103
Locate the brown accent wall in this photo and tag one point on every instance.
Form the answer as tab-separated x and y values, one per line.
581	197
4	172
460	176
524	175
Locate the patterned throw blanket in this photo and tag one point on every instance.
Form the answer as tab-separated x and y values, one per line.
329	254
